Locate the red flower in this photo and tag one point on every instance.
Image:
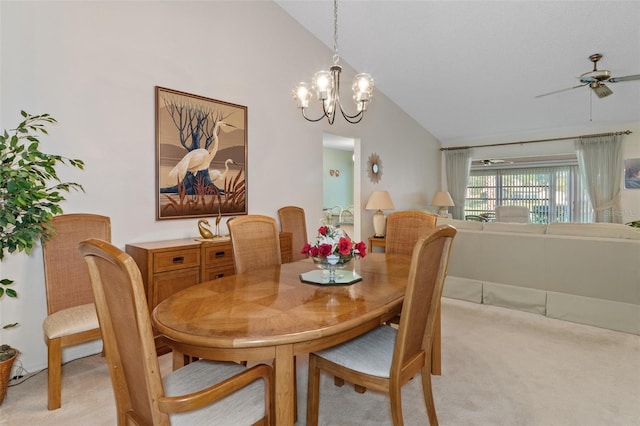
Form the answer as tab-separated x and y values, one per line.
362	248
306	249
323	230
313	251
344	246
325	250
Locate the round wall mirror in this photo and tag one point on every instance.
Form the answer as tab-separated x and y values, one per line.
374	168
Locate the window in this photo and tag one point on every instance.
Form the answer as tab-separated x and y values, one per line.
552	193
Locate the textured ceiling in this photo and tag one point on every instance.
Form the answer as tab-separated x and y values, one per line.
470	70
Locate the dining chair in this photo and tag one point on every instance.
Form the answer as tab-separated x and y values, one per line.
386	358
256	245
71	315
202	392
255	241
405	228
292	219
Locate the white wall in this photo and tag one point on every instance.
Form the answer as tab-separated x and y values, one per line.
94	65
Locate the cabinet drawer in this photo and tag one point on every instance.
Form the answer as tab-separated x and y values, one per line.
176	259
168	283
219	255
215	273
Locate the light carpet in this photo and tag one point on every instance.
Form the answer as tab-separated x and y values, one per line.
500	367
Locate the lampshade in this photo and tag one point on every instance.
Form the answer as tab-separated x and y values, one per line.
443	200
379	200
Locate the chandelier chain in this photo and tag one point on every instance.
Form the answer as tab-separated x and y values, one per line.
336	56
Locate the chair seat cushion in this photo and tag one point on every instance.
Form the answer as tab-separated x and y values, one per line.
71	321
378	344
243	407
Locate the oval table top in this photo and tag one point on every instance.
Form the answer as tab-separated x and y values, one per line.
271	306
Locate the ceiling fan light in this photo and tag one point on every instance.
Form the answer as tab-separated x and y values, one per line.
601	90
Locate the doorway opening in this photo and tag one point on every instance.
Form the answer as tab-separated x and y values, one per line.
341	183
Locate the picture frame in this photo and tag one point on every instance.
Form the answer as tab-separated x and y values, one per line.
201	156
632	173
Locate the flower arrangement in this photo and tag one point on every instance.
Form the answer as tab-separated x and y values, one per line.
333	241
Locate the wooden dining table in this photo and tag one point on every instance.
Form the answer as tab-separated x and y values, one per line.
270	314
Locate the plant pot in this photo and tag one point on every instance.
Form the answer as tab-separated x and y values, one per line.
5	374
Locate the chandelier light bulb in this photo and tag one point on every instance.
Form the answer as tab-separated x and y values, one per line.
302	94
362	88
323	84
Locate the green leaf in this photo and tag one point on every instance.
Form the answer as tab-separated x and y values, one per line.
27	199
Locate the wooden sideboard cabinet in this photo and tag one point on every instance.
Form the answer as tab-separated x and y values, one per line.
167	266
172	265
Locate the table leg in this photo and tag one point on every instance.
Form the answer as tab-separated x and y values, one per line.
436	348
178	359
284	372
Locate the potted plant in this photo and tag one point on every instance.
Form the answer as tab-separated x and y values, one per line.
30	195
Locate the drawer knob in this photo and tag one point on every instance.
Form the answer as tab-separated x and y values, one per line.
220	254
178	259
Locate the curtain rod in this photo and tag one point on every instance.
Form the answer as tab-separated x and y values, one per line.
625	132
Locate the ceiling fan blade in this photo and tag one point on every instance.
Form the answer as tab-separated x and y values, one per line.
602	90
561	90
625	78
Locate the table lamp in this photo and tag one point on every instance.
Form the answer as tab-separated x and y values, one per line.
379	200
443	200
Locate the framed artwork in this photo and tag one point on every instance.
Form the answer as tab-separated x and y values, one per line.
632	173
201	156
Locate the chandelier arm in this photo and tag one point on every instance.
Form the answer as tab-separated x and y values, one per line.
313	120
352	118
331	116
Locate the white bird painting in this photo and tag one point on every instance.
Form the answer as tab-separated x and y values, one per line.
198	159
216	174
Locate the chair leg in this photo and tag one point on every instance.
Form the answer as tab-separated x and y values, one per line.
313	392
436	348
395	397
54	373
428	395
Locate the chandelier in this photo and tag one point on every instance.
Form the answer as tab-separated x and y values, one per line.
326	86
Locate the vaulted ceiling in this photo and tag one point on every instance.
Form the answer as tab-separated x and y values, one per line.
471	70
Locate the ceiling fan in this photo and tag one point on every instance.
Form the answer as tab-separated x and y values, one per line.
491	162
595	79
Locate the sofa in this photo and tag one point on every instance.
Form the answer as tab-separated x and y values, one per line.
587	273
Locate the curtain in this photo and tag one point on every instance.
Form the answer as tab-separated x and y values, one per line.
458	164
600	162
